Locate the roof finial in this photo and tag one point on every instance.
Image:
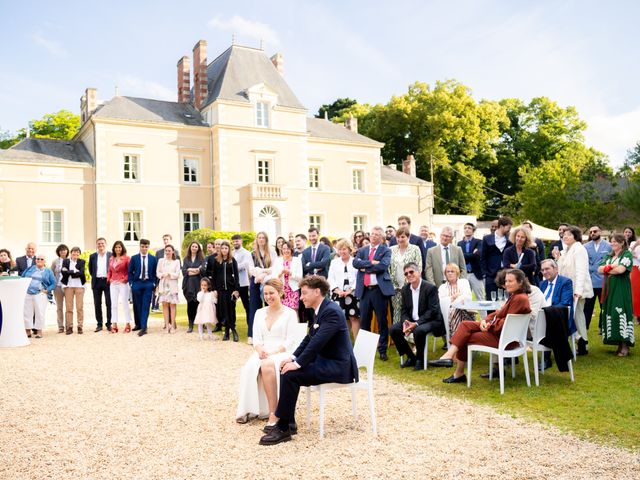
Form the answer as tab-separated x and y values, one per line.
261	44
117	93
326	115
233	39
28	129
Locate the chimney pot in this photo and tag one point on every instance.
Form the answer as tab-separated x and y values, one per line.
278	62
88	104
200	82
409	165
352	124
184	80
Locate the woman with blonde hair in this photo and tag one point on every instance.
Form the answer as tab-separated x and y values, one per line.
274	340
342	284
453	294
520	255
225	283
263	256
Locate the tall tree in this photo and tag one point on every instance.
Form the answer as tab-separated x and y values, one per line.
335	109
62	125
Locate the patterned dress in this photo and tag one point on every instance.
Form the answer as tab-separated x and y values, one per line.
291	297
396	270
616	316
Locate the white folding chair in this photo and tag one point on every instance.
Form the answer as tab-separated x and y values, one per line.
425	353
514	330
365	352
539	332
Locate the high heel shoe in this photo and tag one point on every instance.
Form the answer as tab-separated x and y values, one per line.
235	335
127	328
114	329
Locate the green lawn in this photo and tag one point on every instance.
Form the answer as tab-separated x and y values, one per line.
602	405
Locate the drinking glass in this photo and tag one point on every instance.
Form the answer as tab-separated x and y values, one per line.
500	295
493	296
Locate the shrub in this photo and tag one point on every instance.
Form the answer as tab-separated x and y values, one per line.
205	235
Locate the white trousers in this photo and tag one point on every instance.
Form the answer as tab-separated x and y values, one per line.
579	319
35	305
120	294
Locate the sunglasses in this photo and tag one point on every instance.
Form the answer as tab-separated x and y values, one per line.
593	231
40	258
409	272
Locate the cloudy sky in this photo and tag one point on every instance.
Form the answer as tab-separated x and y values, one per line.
580	53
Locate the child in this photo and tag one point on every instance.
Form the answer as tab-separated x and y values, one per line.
206	314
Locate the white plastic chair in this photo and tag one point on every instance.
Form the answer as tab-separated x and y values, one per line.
539	332
365	352
514	330
299	334
425	353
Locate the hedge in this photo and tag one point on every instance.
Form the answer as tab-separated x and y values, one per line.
205	235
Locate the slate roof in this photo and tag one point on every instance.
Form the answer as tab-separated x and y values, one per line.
147	110
321	128
45	150
391	175
239	68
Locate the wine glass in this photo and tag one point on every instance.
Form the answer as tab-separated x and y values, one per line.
493	296
501	295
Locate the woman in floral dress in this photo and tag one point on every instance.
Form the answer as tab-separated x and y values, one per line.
616	315
401	254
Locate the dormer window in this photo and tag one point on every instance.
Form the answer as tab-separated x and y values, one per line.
262	114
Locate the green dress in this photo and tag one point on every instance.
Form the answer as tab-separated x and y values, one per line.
396	270
616	315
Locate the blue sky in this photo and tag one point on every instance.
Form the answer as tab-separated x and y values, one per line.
580	53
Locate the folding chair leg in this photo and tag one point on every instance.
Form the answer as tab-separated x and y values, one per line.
354	400
372	409
425	354
490	366
542	361
571	370
321	411
469	368
573	346
435	339
526	368
536	375
501	373
308	408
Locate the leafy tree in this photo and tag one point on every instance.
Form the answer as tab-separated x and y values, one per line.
334	109
62	125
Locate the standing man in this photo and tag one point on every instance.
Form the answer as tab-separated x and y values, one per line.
143	280
493	226
374	287
558	244
166	240
471	248
427	243
98	267
491	250
389	233
300	244
596	248
28	259
440	256
420	315
316	257
405	222
245	264
324	356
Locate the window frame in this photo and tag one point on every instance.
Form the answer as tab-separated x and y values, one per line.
361	174
200	214
318	224
363	224
49	240
124	221
137	169
317	179
262	114
196	162
269	173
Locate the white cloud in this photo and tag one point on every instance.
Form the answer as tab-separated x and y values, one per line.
614	134
247	28
54	47
132	86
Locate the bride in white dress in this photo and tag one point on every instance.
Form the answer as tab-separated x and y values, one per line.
275	336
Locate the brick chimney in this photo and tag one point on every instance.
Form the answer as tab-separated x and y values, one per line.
278	62
184	80
200	83
88	104
409	165
352	124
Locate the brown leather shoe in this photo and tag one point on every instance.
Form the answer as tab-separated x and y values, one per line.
79	330
69	330
60	329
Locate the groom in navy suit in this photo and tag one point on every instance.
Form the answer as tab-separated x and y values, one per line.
143	281
374	287
324	356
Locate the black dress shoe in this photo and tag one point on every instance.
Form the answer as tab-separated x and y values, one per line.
293	428
98	328
441	362
190	329
225	337
143	331
495	374
275	436
547	365
418	366
108	328
235	334
135	329
218	327
452	379
582	347
411	362
383	357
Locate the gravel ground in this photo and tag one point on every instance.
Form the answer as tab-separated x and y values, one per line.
101	406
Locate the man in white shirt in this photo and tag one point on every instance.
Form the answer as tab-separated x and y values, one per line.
98	267
245	264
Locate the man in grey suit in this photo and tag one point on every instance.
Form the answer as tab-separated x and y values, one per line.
596	249
440	255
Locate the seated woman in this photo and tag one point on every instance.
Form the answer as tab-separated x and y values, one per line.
487	332
274	339
453	294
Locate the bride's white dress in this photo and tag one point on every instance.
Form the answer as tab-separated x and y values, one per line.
252	398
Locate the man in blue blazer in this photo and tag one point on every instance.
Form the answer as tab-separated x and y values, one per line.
596	248
324	356
143	280
472	249
374	287
493	246
316	257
